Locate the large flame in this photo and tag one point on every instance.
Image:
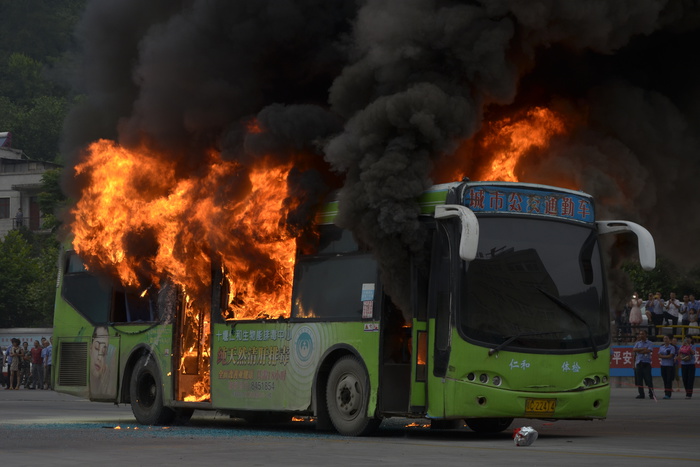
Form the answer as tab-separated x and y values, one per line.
510	139
501	147
138	219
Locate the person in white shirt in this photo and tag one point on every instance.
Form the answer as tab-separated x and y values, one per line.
671	310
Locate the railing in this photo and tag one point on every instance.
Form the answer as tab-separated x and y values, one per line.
32	223
628	332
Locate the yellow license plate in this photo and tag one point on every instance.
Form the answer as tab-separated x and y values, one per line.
540	406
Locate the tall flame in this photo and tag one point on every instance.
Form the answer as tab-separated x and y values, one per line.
138	219
510	139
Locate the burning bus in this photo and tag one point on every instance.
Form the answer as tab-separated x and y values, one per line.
506	315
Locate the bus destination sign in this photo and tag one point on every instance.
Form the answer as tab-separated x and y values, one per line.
526	201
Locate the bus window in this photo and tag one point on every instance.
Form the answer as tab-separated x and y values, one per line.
334	240
130	308
89	295
331	287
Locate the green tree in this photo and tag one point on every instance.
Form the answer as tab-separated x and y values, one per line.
22	79
51	199
37	127
665	278
28	271
18	273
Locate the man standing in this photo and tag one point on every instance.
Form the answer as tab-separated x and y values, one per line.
19	218
656	305
672	310
667	355
25	366
46	358
643	350
37	367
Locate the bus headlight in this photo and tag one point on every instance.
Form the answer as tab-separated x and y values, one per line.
497	381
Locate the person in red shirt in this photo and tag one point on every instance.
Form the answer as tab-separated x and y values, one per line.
37	367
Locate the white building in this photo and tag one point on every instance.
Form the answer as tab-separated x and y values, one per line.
20	184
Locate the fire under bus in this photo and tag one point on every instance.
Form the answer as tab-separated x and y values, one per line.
509	319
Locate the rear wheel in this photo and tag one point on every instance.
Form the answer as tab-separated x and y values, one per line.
347	396
146	393
488	425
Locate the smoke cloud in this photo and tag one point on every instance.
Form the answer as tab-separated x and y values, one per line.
379	95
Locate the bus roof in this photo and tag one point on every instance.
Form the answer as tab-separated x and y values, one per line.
528	192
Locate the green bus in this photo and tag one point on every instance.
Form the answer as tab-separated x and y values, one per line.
509	318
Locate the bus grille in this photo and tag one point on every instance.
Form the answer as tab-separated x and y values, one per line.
73	371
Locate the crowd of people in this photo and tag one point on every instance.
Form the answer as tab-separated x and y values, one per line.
672	356
29	368
659	313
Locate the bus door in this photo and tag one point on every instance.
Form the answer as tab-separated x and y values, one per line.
395	358
191	340
441	314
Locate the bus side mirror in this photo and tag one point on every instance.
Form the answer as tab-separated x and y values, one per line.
469	238
645	242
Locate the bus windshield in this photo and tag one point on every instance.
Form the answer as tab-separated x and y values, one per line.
535	285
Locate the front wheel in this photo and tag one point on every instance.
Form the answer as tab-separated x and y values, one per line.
488	425
347	396
146	392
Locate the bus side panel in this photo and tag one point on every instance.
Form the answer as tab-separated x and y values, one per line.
271	365
137	340
435	385
73	336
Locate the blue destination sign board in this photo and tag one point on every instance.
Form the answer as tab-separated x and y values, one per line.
514	200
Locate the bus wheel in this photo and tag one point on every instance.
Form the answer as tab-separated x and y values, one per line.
146	392
488	425
347	395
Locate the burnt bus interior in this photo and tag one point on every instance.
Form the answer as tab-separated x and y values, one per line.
327	285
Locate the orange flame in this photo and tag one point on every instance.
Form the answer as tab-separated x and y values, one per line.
510	139
139	219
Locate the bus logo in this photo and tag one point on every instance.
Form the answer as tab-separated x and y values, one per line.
304	346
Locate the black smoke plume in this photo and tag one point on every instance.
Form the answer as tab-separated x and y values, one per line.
382	93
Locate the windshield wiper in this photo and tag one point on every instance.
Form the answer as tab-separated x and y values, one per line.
573	313
517	336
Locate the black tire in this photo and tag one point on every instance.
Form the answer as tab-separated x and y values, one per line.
488	425
146	393
347	397
182	416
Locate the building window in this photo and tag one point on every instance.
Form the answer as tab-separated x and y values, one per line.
4	208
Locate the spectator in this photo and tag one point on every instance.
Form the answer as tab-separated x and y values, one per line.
46	358
19	218
16	353
693	322
667	354
8	362
635	305
3	382
643	349
671	311
685	308
25	366
676	363
37	367
687	354
648	310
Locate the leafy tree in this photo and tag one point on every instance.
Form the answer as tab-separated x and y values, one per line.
665	278
51	199
28	271
18	271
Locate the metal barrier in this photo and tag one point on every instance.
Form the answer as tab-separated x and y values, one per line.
629	332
